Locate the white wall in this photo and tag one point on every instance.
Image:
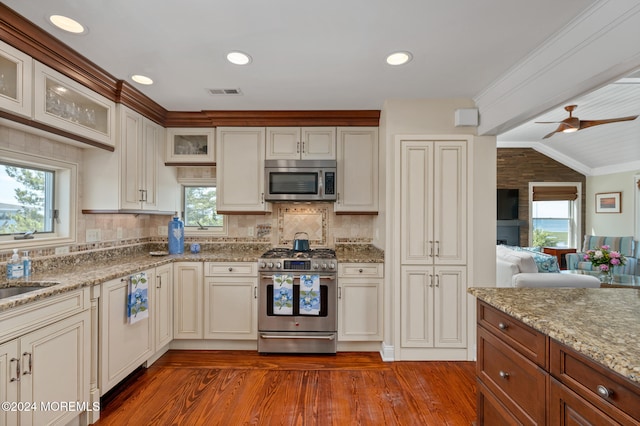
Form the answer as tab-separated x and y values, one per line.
436	117
612	224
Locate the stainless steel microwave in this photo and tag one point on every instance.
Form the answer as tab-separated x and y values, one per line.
300	180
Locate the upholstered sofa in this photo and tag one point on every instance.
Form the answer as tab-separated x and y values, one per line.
625	245
516	267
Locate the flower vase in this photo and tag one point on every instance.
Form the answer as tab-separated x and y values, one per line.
606	277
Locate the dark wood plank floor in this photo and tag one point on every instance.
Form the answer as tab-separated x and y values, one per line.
244	388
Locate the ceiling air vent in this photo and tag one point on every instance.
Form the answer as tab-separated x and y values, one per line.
225	92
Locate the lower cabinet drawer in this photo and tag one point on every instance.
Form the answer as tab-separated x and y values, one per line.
517	382
567	408
613	394
491	411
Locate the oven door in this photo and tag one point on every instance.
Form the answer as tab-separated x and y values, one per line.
295	318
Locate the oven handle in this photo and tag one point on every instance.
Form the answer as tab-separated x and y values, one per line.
322	277
272	336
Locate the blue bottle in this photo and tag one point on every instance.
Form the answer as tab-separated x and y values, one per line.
176	236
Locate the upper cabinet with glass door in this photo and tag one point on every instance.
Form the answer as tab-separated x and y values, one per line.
301	143
67	105
15	80
190	146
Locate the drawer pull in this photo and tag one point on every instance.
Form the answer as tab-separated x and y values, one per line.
503	326
230	269
360	270
504	374
604	392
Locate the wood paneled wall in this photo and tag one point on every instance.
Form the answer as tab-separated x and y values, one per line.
516	167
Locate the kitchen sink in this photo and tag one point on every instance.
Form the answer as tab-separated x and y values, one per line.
17	290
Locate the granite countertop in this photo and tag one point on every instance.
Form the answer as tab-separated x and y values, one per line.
62	277
600	323
359	253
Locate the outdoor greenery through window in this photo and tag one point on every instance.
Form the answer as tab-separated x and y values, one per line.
200	208
26	199
552	223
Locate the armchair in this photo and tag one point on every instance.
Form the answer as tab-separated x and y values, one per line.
625	245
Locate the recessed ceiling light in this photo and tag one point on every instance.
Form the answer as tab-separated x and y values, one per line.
142	79
67	24
238	58
399	58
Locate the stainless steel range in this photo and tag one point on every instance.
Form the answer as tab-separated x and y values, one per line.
297	301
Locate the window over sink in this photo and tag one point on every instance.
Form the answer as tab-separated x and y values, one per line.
199	210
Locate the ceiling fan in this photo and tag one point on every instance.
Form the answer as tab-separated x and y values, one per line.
573	124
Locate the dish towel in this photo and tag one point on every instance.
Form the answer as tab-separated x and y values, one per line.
138	298
310	294
282	294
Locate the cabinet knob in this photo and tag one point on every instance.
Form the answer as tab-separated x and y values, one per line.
504	374
230	269
603	391
360	270
502	326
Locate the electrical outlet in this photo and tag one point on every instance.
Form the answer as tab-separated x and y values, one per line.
250	231
119	233
93	235
163	230
62	250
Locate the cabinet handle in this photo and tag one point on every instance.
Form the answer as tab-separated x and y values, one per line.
503	326
255	292
303	147
503	374
437	248
339	292
262	198
298	148
430	248
603	391
17	378
159	277
437	280
25	372
430	280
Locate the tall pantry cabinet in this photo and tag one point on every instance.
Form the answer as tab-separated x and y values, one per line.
432	178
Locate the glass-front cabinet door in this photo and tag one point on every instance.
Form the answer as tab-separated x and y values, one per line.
65	104
15	80
190	146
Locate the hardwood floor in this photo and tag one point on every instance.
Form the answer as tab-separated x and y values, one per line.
244	388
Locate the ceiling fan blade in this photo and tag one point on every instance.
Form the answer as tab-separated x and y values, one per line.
550	134
590	123
547	122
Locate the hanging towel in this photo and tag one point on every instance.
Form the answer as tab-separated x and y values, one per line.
138	300
282	294
309	294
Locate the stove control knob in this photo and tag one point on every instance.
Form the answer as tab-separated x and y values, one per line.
324	266
278	265
270	265
315	266
332	266
263	265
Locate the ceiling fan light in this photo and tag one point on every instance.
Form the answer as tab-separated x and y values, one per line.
569	130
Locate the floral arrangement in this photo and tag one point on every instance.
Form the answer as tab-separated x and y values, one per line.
604	258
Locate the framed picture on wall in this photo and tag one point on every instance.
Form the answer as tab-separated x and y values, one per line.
608	202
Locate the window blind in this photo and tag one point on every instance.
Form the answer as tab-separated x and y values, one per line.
555	193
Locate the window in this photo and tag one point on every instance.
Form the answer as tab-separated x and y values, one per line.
26	200
36	195
555	214
199	210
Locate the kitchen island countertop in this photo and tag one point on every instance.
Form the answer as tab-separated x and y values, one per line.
600	323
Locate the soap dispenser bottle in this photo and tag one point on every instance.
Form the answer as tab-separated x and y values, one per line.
15	269
26	263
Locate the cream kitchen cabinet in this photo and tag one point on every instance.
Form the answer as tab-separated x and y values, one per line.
357	170
433	307
16	84
190	146
433	202
163	304
188	293
230	301
67	105
360	301
134	178
124	346
306	143
240	155
49	363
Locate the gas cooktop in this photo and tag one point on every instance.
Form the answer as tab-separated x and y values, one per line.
284	259
285	253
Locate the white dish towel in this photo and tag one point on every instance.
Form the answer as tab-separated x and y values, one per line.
309	295
138	300
282	294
